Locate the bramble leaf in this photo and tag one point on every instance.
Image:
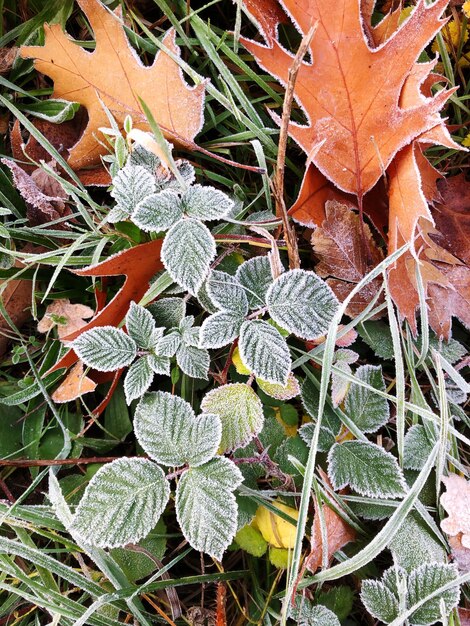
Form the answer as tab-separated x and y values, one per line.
132	184
226	293
417	448
168	312
368	410
138	379
264	351
206	203
423	581
105	348
141	326
158	211
220	329
193	361
256	276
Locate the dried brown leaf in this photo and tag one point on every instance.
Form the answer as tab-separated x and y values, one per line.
67	317
456	502
75	385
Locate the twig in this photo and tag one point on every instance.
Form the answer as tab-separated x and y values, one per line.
278	185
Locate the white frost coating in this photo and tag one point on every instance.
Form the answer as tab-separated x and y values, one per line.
105	348
168	312
256	277
367	468
240	411
193	361
417	448
368	410
220	329
379	601
138	379
302	303
425	580
206	203
206	507
122	503
159	364
158	212
169	344
264	351
171	434
227	293
281	392
132	184
187	252
141	326
314	615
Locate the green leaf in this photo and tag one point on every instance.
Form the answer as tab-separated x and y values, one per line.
367	410
187	252
264	351
415	544
168	345
417	448
338	599
138	379
240	411
206	203
226	293
141	326
425	580
105	349
256	276
220	329
193	361
379	601
171	434
159	364
158	212
281	392
367	468
378	337
122	503
52	110
131	185
302	303
206	507
307	614
168	312
310	398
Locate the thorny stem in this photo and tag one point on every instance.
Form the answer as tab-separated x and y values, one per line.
278	183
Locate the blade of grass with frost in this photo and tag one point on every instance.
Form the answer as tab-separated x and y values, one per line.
258	148
310	467
399	372
444	429
423	309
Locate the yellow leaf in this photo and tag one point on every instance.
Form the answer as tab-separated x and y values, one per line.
277	531
238	363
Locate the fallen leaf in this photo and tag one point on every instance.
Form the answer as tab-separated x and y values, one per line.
464	614
452	215
114	75
75	385
342	342
277	531
456	503
345	256
7	58
460	554
16	299
67	317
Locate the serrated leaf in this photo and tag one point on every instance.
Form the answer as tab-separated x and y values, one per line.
187	252
168	312
141	326
158	212
193	361
206	507
379	601
105	349
189	333
240	411
226	293
281	392
171	434
159	364
168	344
307	614
415	544
423	581
378	337
131	185
302	303
138	379
256	276
417	448
367	410
310	399
326	438
367	468
122	503
264	351
339	599
220	329
206	203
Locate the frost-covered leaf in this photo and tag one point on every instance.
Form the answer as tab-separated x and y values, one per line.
131	185
168	312
206	507
105	349
193	361
310	398
171	434
206	203
305	613
281	392
141	326
368	410
187	252
302	303
122	503
264	351
240	411
159	364
339	599
326	437
378	337
256	276
423	581
204	299
163	178
158	211
138	379
169	344
417	448
189	333
339	384
415	544
379	601
226	293
367	468
220	329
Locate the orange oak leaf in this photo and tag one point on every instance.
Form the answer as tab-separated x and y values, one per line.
139	265
355	93
75	384
345	255
464	616
452	215
66	316
114	75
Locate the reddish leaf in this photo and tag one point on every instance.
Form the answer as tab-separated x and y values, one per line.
452	216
